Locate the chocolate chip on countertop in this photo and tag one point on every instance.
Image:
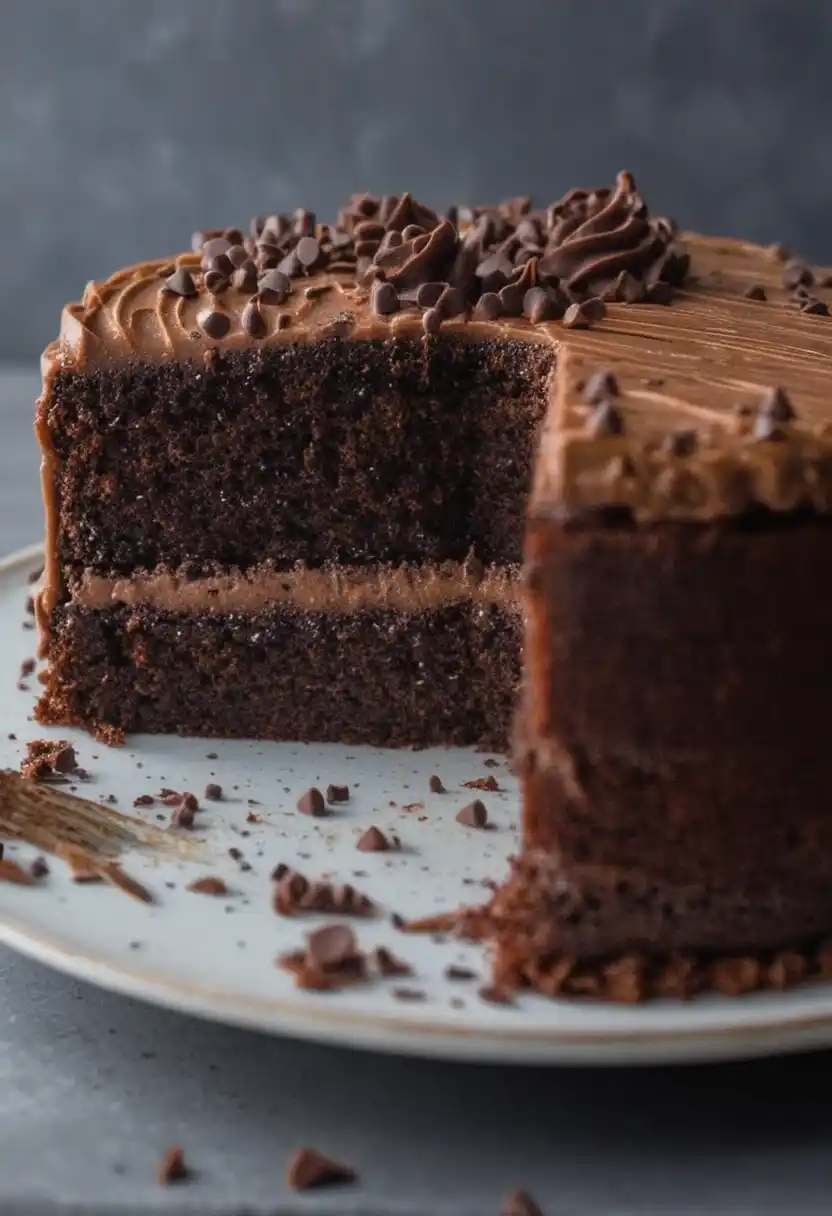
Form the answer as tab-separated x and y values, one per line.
312	803
213	792
473	815
777	406
600	387
308	1168
337	793
373	841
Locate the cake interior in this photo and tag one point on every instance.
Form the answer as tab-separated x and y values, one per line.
388	466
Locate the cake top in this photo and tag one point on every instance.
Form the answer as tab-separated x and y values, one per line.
709	407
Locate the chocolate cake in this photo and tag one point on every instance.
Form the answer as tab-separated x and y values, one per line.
286	479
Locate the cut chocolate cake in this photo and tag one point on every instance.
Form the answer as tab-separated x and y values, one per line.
286	481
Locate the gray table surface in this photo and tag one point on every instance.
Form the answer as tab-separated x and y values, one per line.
94	1086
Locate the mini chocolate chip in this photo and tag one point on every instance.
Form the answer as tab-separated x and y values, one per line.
373	841
680	443
214	324
473	815
599	387
253	321
488	307
384	299
797	274
309	1168
435	785
312	803
815	308
213	248
180	283
432	321
511	299
274	287
215	282
777	406
213	792
755	291
658	293
606	420
767	430
627	289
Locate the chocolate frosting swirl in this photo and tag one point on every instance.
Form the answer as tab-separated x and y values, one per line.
595	236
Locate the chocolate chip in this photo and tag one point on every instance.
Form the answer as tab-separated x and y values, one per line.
627	289
428	294
213	248
606	420
451	302
214	324
815	308
540	304
373	841
755	291
244	278
594	308
180	283
182	817
824	280
253	321
520	1203
308	1168
308	252
331	946
680	443
767	430
435	785
777	406
384	299
172	1167
575	317
796	274
488	307
144	800
274	287
238	256
658	293
599	387
388	965
213	792
432	321
337	793
312	803
473	815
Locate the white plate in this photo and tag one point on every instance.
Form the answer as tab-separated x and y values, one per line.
215	957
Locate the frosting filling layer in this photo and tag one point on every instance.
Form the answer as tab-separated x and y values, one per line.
338	590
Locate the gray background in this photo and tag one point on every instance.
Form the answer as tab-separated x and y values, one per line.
124	124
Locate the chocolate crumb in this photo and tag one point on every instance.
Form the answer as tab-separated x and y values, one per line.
397	921
211	756
409	994
172	1167
520	1203
815	308
576	317
213	792
755	291
435	785
388	965
455	972
308	1168
482	783
797	274
312	803
337	793
39	868
474	815
26	668
209	885
373	841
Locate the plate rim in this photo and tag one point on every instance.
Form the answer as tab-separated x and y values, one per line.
788	1032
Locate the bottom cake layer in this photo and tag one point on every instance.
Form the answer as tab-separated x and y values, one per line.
392	679
610	935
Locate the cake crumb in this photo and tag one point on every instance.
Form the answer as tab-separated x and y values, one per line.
111	736
172	1167
13	873
308	1168
50	760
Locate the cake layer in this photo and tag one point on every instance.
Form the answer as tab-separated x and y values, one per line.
675	711
380	676
333	450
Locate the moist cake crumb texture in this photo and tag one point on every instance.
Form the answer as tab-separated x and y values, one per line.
561	477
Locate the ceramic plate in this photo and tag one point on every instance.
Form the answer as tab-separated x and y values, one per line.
215	956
